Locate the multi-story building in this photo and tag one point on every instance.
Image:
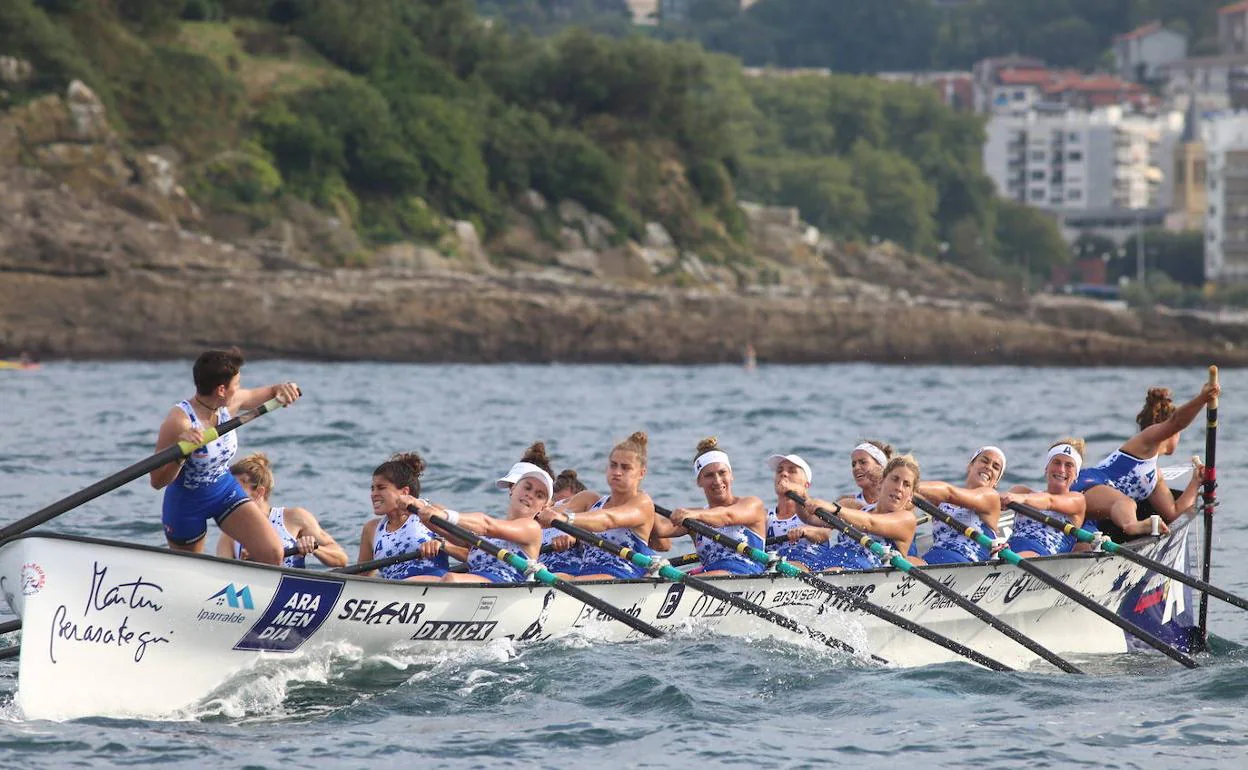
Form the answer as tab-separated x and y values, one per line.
1233	28
1139	53
1226	187
1065	159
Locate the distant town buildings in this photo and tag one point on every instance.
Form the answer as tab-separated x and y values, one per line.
1226	225
1140	53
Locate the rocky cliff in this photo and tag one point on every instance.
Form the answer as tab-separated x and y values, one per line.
104	255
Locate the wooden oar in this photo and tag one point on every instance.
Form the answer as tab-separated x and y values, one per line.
771	560
542	574
1208	494
900	562
141	468
1109	546
1080	598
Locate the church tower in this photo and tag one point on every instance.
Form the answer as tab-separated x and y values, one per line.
1187	211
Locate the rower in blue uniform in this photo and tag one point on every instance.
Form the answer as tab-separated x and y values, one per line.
741	518
200	487
976	504
624	517
519	532
297	527
396	482
1061	468
890	522
784	516
561	554
1129	474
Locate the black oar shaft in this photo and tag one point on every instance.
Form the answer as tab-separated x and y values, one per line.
141	468
10	626
900	562
705	587
519	562
1209	500
1077	596
1126	553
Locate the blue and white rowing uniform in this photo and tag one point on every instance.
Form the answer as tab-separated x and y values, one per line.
776	527
839	552
1031	535
717	557
595	561
1125	472
409	537
204	488
277	520
490	568
567	562
950	546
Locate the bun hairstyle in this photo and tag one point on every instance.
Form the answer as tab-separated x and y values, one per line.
1158	406
1079	444
567	480
706	445
403	470
255	469
536	454
902	461
636	443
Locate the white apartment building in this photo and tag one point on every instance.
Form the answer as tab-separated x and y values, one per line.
1070	159
1226	186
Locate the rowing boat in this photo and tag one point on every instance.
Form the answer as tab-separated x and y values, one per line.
117	629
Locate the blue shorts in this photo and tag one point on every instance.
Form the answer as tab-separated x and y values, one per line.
735	565
500	573
855	557
567	562
1018	544
437	566
185	512
946	556
1091	477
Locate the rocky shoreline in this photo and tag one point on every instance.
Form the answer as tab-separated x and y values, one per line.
103	256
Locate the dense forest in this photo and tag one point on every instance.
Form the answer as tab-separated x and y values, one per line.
856	36
397	114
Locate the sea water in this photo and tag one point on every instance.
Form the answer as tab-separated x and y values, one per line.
690	701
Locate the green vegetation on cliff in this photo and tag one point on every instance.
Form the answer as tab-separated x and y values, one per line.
400	114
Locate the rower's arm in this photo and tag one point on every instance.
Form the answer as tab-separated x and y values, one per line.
225	547
746	512
327	549
985	501
580	501
898	525
175	423
1145	443
1070	504
366	544
632	515
523	532
663	532
250	398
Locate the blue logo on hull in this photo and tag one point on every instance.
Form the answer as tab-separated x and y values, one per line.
239	599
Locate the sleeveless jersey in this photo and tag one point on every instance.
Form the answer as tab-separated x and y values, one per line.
944	536
596	561
211	461
482	563
715	556
1130	475
1041	538
568	561
407	538
277	520
777	527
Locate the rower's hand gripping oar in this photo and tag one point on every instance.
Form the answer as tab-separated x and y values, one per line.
900	562
541	573
143	467
1084	536
1079	597
675	575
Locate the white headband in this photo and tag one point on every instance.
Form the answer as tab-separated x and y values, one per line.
1067	451
872	450
535	472
991	448
706	458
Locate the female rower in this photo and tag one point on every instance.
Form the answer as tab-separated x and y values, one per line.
396	483
866	463
519	532
200	487
567	485
788	472
561	554
741	518
1061	468
1129	474
296	527
976	504
890	521
624	517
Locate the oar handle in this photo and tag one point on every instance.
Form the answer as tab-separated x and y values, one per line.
541	573
1209	500
141	468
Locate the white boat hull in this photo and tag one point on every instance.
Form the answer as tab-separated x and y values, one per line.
120	630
